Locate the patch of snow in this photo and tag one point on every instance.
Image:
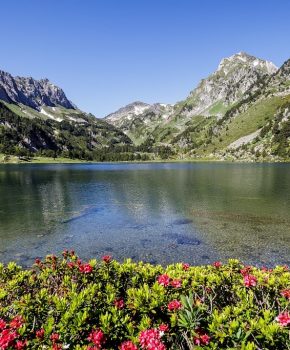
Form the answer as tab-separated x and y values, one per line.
58	119
140	109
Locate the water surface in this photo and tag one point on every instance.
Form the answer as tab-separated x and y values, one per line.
157	212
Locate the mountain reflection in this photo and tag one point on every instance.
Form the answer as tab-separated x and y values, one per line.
158	212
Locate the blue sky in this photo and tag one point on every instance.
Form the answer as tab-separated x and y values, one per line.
107	53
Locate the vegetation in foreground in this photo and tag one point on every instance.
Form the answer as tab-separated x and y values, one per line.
66	303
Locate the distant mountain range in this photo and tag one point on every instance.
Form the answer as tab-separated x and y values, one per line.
241	111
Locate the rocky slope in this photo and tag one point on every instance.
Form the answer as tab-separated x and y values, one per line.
31	92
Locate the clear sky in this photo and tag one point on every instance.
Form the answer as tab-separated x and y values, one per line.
108	53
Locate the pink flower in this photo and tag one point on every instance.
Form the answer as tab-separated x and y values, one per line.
7	337
16	322
37	261
2	324
250	281
174	305
97	337
163	327
107	258
217	264
128	345
201	339
20	344
150	340
286	293
176	283
70	265
163	280
283	318
185	266
85	268
246	270
40	333
56	347
119	303
54	337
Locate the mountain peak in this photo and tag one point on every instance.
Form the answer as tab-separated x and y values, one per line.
31	92
244	59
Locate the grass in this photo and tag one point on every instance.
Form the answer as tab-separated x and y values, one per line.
248	122
11	159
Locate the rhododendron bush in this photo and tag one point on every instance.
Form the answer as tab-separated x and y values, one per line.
66	303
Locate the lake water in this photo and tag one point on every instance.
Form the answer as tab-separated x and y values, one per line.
157	212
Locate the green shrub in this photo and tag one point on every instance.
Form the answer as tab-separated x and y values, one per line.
65	303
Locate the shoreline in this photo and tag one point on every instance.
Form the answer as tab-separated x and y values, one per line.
14	160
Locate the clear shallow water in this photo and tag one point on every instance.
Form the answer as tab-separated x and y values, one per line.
160	213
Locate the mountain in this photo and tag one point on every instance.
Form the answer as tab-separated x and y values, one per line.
32	93
225	116
239	112
138	119
36	117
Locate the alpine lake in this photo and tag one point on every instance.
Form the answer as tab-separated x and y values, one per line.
156	212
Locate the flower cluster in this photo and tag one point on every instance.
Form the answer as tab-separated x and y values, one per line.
165	280
67	303
9	335
97	337
283	319
150	339
250	281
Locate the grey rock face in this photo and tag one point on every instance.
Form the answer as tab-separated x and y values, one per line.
127	112
234	76
31	92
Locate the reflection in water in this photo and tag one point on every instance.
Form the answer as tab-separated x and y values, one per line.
195	212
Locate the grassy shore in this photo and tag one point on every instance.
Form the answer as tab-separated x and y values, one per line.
4	159
11	159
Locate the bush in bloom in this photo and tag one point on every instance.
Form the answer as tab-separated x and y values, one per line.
150	339
67	303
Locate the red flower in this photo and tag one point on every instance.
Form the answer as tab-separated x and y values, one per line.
185	266
107	258
128	345
217	264
40	333
163	327
85	268
65	253
37	261
56	347
283	318
70	265
54	337
20	344
246	270
16	322
176	283
201	339
119	303
2	324
250	281
286	293
150	340
174	305
72	253
7	337
97	337
163	280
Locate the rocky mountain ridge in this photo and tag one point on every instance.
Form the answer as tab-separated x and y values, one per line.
31	92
